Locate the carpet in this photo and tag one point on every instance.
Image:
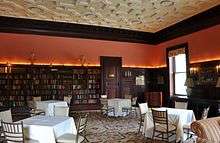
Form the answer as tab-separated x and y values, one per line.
102	129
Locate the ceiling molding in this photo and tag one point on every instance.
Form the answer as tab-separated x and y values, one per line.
195	23
198	22
39	27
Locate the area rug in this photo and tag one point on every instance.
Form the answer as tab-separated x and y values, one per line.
102	129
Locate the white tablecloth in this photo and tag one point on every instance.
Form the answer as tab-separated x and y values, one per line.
118	104
179	117
46	129
48	106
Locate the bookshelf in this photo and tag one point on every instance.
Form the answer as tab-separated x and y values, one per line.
20	83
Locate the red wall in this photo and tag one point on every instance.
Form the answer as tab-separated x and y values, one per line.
204	45
16	48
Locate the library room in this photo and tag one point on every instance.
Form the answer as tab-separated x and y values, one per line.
93	71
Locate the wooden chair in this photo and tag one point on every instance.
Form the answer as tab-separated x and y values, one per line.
105	109
78	138
132	109
162	125
13	133
61	111
143	110
83	125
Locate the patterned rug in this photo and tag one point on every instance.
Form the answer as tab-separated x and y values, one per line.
102	129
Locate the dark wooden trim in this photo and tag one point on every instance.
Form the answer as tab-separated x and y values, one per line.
40	27
198	22
195	23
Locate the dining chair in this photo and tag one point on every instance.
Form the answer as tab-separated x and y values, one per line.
83	125
32	105
162	126
72	138
187	127
14	133
6	115
67	99
181	105
143	110
61	110
105	109
132	109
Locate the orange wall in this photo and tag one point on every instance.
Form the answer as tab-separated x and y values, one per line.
17	48
203	45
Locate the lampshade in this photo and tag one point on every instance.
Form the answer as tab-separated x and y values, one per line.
189	82
218	82
103	96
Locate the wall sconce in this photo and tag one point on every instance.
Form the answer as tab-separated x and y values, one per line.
217	68
193	70
8	68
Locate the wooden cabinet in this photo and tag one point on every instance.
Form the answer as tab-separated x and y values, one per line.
154	99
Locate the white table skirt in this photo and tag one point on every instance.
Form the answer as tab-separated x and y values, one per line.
48	106
46	129
118	104
179	117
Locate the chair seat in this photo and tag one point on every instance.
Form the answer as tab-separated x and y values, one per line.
162	128
70	138
31	141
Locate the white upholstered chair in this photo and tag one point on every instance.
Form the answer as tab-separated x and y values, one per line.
6	116
78	138
67	99
143	110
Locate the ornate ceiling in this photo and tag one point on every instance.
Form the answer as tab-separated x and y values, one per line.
140	15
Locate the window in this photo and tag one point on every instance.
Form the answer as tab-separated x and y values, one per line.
177	59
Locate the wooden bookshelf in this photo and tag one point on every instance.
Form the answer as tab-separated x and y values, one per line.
20	83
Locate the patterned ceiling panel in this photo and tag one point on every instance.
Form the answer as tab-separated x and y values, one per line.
140	15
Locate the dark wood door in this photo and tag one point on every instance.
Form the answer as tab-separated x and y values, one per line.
111	76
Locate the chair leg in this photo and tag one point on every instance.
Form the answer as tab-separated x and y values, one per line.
167	138
153	134
140	124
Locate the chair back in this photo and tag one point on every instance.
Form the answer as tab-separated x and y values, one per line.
67	99
61	111
104	102
83	123
133	101
32	103
143	108
160	117
6	116
205	113
37	98
181	105
13	132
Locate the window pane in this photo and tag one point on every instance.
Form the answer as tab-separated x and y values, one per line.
180	63
180	79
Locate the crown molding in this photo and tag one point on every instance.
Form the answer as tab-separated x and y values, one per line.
198	22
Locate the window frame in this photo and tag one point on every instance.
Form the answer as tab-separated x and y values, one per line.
185	46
